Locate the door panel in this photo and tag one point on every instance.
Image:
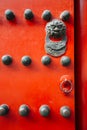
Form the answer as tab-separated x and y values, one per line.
46	80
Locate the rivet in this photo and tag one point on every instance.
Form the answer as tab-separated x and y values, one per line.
24	110
46	15
7	59
65	60
26	60
44	110
65	15
46	60
9	14
4	108
28	14
65	111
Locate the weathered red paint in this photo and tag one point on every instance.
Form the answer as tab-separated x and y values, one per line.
37	84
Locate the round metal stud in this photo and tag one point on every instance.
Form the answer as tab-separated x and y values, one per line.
26	60
65	111
46	60
9	14
46	15
7	59
4	108
28	14
44	110
65	15
24	110
65	60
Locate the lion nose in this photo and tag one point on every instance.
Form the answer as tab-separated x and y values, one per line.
56	28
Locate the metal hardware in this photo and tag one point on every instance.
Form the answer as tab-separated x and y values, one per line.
28	14
65	15
26	60
46	15
9	14
7	59
65	111
66	85
55	29
24	110
4	108
65	60
44	110
46	60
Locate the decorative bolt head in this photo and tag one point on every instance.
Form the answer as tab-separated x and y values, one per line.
4	108
26	60
65	15
9	14
24	110
65	111
44	110
7	59
46	15
28	14
65	60
46	60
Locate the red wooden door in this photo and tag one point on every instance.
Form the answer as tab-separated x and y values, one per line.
48	82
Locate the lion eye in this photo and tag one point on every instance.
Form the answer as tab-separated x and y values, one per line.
52	26
59	26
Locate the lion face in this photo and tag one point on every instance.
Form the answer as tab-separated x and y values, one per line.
56	29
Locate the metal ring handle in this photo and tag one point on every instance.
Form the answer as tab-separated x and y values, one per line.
66	91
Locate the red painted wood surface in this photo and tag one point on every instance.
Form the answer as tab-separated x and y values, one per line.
37	84
81	64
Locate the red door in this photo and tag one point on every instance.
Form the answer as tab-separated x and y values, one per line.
37	65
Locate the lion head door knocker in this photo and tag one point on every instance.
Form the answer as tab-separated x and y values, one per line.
56	29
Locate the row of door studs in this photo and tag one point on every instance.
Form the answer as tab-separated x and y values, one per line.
45	60
44	110
29	15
